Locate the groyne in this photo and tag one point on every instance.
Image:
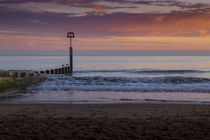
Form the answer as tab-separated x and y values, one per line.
64	70
11	80
21	79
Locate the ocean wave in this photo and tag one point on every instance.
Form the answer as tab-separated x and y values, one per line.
120	80
143	71
126	84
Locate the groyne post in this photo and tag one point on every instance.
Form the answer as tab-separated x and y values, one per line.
56	71
60	71
52	71
47	72
71	35
71	59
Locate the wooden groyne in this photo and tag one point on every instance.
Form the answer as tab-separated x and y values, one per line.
16	74
11	80
64	70
16	80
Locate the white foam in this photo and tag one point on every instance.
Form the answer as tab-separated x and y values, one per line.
125	84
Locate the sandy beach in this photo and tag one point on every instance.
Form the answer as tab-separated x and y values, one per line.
104	121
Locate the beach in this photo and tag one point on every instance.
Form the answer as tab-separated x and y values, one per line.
150	97
105	70
105	121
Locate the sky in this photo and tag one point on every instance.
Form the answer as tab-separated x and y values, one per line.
156	26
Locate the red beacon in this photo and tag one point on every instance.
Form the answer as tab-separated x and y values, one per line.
70	35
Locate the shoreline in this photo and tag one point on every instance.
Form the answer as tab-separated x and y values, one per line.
94	103
91	102
104	121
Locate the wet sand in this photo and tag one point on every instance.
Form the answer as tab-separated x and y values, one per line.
104	121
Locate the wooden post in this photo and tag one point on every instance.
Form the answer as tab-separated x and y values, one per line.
52	71
66	71
71	59
71	35
29	74
13	74
47	72
69	70
59	71
22	74
36	74
56	71
42	73
62	70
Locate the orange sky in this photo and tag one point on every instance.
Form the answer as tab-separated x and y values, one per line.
105	25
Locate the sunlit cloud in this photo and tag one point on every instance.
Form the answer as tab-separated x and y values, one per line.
105	24
177	24
49	7
85	7
100	9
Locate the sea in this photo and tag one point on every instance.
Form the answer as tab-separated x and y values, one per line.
115	79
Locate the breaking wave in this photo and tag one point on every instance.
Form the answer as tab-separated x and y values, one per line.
127	84
143	71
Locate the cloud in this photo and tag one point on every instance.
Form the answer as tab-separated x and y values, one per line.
100	9
35	23
172	24
182	23
103	6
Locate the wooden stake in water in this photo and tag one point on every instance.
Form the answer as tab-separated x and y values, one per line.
71	35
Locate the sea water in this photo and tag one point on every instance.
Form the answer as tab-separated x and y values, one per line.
115	79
